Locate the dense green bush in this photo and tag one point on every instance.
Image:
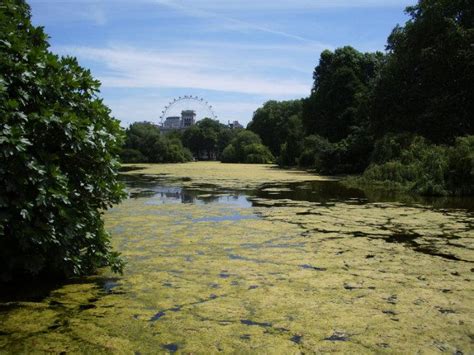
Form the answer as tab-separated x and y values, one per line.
58	168
144	143
460	175
132	156
414	164
247	147
349	155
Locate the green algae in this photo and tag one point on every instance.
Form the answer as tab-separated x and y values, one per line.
286	276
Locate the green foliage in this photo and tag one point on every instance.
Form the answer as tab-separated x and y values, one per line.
144	143
426	86
423	167
132	156
346	156
275	120
292	147
229	155
58	167
373	109
207	138
341	85
460	174
247	147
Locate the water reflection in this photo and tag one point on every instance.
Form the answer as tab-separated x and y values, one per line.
159	191
163	189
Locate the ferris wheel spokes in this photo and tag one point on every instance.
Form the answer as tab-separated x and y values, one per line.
186	98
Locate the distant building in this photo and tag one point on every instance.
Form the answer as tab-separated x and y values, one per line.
173	122
235	124
187	119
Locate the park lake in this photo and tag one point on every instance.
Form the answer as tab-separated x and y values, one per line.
252	258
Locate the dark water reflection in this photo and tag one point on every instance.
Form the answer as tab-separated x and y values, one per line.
165	190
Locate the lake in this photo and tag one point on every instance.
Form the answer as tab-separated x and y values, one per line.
252	258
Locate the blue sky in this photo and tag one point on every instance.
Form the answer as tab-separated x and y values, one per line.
236	54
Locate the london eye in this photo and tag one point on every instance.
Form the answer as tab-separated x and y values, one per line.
199	105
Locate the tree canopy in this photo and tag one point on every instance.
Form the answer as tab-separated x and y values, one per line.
144	143
247	147
58	147
272	122
426	87
207	138
419	94
342	82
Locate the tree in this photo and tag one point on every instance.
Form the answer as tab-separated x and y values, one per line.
58	148
272	122
207	138
292	147
247	147
154	147
342	81
426	87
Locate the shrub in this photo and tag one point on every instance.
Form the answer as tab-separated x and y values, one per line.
229	154
460	177
132	156
414	164
58	148
257	154
247	147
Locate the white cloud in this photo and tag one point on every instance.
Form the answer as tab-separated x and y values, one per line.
128	67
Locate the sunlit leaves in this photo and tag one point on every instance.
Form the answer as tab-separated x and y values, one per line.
58	147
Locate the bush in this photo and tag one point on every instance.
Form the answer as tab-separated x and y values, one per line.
58	148
412	163
349	155
247	147
229	154
460	177
132	156
257	154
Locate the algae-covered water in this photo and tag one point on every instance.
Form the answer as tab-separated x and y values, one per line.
250	258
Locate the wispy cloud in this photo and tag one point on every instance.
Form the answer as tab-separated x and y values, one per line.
136	68
236	24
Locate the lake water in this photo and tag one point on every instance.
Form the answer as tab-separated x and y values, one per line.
240	258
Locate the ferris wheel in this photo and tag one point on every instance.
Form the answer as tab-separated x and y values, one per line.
188	102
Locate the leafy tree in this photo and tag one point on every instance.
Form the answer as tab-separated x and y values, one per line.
58	147
426	87
292	147
207	138
154	147
342	82
272	122
247	147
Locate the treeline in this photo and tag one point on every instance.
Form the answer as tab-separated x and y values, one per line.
206	140
404	117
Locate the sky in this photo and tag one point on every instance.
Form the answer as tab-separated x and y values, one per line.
236	54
